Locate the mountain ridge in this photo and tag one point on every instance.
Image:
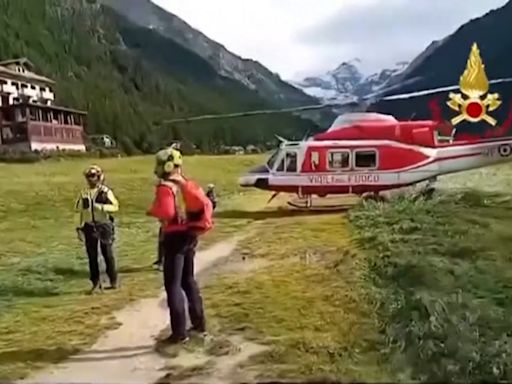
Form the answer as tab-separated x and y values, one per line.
249	72
347	83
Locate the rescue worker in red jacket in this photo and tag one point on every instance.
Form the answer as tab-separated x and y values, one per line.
180	231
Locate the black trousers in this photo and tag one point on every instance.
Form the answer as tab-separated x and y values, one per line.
102	234
161	248
180	249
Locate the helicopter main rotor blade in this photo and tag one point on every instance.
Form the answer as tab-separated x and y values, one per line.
258	112
435	90
364	101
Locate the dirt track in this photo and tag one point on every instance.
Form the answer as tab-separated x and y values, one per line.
126	354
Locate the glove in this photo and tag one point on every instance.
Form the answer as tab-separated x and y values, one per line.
80	235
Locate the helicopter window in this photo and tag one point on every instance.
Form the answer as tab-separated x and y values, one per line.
271	162
365	159
291	161
339	160
288	162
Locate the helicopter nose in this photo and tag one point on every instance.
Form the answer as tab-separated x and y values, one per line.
247	180
255	177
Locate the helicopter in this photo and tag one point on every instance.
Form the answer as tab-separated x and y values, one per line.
366	153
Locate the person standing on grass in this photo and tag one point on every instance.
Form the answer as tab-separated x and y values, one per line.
95	225
180	236
158	264
210	193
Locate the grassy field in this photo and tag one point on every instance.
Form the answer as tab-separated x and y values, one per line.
44	311
407	290
300	290
441	272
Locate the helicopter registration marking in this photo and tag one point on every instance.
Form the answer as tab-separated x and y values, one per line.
344	179
503	150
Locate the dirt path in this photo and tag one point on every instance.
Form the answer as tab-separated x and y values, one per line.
126	354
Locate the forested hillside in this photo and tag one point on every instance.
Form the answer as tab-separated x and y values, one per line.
130	78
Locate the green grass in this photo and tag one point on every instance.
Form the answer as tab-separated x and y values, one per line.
441	271
407	290
306	301
45	314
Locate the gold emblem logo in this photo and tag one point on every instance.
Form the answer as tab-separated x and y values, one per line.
474	84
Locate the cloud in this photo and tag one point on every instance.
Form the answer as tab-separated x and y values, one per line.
264	30
302	37
383	32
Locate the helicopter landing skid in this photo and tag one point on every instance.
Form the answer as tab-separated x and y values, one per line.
306	204
427	192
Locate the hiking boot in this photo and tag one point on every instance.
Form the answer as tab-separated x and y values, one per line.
200	331
175	340
112	286
158	266
96	288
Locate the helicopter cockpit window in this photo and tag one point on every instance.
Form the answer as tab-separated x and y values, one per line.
288	162
291	162
338	160
365	159
271	162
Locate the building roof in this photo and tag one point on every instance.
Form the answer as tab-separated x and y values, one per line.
9	73
22	60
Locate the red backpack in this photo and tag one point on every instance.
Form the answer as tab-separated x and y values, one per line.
199	208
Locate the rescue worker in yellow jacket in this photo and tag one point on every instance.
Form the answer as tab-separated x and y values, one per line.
95	225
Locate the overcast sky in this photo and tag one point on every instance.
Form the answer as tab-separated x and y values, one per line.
302	37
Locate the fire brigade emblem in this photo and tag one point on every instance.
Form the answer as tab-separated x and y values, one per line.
474	84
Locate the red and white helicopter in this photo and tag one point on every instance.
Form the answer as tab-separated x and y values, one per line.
367	153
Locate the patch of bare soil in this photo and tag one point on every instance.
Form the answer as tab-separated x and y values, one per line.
216	361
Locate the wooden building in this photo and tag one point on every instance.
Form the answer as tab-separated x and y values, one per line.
29	120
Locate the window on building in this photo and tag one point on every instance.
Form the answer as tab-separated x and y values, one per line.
24	86
21	113
33	114
7	114
33	86
338	159
366	159
14	134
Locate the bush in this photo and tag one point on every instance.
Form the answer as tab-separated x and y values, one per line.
439	269
11	155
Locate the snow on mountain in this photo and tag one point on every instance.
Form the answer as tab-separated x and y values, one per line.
347	83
